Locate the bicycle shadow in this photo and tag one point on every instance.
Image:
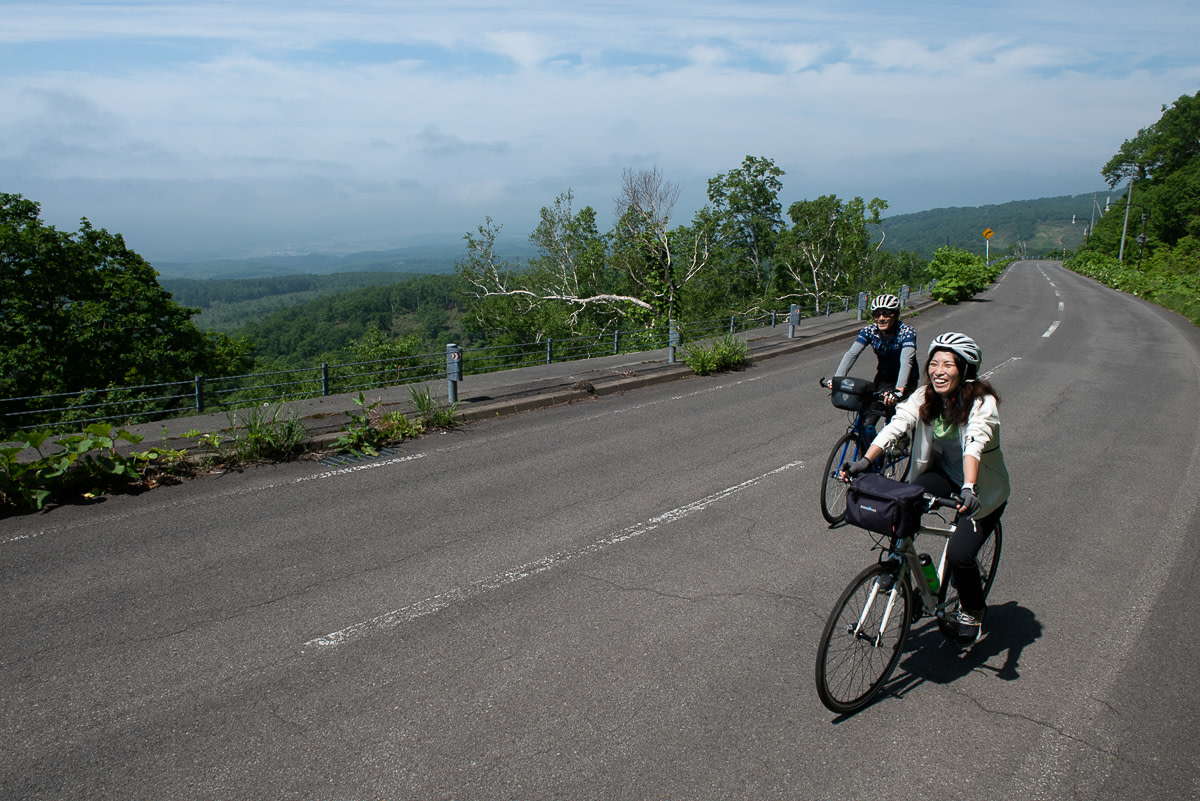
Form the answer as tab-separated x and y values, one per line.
1009	630
930	657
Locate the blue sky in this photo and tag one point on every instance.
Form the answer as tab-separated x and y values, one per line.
207	129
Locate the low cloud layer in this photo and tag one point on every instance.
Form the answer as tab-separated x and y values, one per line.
224	129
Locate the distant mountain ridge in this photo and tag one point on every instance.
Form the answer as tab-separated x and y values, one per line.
1041	226
426	259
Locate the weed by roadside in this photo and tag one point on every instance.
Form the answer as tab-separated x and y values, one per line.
257	434
726	353
369	429
87	465
80	466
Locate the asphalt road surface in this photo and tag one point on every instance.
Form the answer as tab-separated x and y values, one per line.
621	599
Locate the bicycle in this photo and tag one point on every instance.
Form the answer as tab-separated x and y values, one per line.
866	631
860	399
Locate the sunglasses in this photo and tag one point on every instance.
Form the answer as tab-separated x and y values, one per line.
883	313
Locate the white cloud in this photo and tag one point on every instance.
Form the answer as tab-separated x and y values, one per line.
270	118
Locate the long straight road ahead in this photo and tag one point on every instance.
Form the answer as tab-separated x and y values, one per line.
621	599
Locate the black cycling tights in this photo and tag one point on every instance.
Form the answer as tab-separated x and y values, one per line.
965	543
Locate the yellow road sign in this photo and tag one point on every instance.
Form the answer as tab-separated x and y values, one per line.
987	233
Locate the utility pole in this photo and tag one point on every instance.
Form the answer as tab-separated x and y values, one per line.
1125	228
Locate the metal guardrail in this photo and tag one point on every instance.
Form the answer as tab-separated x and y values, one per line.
199	394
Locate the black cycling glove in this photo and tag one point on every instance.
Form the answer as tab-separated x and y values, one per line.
857	467
970	502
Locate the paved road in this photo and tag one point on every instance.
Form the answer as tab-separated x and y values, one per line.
620	598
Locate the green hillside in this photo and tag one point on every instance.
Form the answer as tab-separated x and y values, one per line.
1041	227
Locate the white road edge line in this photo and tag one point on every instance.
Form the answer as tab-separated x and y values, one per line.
992	372
436	603
1050	330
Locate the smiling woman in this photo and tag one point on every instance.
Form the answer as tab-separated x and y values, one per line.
954	425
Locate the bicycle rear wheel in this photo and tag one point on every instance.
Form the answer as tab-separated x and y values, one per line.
853	660
988	559
833	489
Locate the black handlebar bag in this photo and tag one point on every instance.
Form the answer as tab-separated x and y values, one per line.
884	506
852	394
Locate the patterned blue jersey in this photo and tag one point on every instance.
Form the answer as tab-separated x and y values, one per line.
888	347
888	351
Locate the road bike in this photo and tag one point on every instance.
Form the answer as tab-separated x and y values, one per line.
867	629
864	406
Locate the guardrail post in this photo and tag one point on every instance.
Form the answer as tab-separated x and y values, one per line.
672	341
454	371
616	342
199	385
549	349
793	320
324	379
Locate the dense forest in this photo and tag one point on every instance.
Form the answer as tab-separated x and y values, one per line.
411	260
227	304
426	309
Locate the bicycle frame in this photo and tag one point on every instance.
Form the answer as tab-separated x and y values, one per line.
905	555
858	428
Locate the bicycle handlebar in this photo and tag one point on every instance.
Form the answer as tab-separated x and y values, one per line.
880	394
934	502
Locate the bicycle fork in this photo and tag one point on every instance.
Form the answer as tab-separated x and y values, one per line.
896	577
907	563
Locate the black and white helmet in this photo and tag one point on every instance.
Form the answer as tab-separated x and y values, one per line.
961	344
888	302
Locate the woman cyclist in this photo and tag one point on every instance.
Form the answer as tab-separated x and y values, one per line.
955	428
895	346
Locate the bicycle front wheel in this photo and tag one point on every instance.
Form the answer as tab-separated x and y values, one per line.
858	653
833	489
987	559
894	462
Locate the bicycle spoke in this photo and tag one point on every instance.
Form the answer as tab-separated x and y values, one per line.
851	668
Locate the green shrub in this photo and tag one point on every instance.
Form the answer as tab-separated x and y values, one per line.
82	465
360	436
726	353
960	274
430	411
1169	278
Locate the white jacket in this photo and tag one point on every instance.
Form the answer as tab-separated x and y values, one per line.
980	438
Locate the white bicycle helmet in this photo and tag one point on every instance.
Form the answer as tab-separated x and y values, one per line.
961	344
888	302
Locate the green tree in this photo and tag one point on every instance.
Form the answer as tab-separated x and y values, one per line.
81	310
825	254
565	287
1163	163
749	218
656	262
960	274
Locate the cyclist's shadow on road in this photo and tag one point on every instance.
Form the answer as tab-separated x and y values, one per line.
930	656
